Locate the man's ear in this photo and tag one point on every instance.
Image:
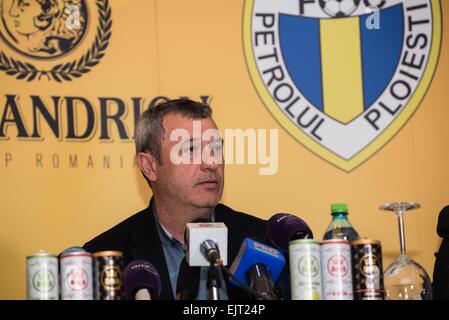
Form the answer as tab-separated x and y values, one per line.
148	164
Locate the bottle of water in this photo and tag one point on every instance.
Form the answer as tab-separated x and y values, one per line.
340	227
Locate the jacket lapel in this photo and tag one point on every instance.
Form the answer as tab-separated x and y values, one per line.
146	245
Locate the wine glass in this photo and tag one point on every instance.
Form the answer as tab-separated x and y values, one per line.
405	279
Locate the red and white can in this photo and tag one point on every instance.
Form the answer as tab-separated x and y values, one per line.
76	276
336	269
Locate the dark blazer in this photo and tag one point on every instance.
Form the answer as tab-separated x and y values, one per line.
137	238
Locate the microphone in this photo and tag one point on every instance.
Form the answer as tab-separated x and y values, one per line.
210	251
208	248
284	227
141	281
207	243
188	282
208	237
258	267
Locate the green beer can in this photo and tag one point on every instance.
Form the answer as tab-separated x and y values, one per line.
42	276
305	269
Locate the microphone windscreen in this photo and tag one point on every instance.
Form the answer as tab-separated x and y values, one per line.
284	227
253	252
198	220
188	282
140	274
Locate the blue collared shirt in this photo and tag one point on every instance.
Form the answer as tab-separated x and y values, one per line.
174	252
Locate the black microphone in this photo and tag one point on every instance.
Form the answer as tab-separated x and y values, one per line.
284	227
188	282
141	281
261	281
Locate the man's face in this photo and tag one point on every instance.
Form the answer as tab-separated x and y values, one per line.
198	180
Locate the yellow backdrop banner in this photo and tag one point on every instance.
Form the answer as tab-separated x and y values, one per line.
72	86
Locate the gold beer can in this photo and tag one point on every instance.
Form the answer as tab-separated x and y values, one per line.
108	275
367	270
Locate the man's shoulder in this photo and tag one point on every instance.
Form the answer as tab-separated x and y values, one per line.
231	214
117	237
247	223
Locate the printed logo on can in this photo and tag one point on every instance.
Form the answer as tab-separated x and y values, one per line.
308	266
338	266
110	278
77	279
368	266
44	281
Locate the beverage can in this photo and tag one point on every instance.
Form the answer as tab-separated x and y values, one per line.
367	268
108	275
76	276
336	270
42	276
305	269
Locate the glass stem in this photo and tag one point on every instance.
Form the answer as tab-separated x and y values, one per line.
400	215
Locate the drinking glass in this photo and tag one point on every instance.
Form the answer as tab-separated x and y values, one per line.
405	279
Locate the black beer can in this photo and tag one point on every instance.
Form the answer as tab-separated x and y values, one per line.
367	270
108	275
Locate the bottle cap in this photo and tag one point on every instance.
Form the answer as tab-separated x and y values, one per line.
339	208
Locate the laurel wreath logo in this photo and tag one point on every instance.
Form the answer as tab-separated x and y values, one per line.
69	70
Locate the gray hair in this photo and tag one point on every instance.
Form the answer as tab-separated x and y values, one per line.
150	129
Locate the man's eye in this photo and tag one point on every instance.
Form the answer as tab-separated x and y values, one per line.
217	147
190	149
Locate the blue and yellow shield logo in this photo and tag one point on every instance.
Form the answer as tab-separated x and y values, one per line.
342	76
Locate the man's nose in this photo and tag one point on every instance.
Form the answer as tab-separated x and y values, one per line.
209	162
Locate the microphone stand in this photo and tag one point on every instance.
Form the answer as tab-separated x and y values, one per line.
213	283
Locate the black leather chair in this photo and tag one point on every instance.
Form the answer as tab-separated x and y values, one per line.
440	285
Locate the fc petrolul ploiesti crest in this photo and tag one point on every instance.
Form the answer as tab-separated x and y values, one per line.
53	39
342	76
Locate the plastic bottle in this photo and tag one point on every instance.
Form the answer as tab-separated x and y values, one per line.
340	227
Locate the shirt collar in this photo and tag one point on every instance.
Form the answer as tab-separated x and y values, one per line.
167	235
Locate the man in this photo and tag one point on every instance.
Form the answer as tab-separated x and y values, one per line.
179	151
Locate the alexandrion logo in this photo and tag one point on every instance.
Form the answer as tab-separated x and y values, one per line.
337	82
46	37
